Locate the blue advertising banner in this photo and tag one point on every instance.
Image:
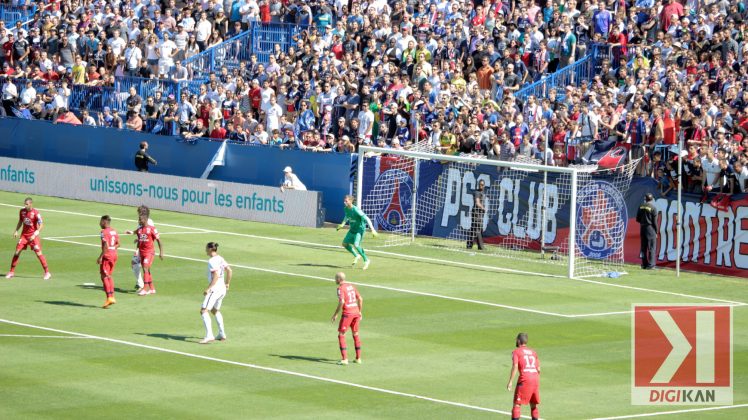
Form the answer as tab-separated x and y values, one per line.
514	206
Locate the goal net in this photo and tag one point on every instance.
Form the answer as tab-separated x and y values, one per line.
572	218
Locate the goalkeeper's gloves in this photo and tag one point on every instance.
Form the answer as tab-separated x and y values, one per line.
374	232
340	226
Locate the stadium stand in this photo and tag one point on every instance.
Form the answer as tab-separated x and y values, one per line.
561	83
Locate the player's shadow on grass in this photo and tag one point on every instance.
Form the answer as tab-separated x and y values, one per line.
402	257
100	288
306	358
170	336
67	303
318	265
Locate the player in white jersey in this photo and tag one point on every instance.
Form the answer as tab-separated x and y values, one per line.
135	262
219	278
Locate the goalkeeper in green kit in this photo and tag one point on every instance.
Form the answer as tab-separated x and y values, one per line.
357	221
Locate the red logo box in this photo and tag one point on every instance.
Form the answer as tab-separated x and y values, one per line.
681	354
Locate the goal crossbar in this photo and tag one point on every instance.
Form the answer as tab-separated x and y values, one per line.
465	159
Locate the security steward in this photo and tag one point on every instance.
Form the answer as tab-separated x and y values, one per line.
142	158
475	236
647	219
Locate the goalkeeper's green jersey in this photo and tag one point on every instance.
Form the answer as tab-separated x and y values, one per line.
356	219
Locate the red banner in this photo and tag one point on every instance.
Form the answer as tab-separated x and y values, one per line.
713	241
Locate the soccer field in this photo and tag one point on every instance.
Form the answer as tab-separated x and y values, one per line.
437	332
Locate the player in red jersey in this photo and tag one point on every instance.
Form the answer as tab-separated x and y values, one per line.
352	304
526	362
108	258
135	262
31	221
146	236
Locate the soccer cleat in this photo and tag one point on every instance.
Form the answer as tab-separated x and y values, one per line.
366	264
47	275
207	340
10	275
355	261
143	292
109	302
343	362
358	361
221	337
151	292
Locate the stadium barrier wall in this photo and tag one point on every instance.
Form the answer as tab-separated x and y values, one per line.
259	39
12	14
101	147
195	196
328	174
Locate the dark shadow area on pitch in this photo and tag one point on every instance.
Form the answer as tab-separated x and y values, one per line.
101	289
305	358
67	303
171	337
318	265
416	259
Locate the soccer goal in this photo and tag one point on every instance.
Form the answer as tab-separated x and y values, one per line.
574	217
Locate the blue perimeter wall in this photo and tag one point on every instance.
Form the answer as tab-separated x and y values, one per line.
111	148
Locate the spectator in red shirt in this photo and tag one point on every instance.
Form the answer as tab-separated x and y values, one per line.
218	133
265	11
8	49
51	75
255	97
8	70
67	117
672	7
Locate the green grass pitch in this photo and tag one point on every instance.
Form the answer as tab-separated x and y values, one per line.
437	335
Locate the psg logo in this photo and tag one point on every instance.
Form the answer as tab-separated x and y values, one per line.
601	220
396	187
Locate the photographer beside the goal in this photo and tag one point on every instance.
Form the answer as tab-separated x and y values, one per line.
475	236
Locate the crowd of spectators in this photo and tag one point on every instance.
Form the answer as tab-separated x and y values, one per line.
394	72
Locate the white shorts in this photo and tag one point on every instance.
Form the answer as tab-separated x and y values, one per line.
213	300
135	259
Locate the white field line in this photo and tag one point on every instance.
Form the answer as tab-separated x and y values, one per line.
374	286
666	413
596	314
264	368
664	292
600	314
456	263
270	238
40	336
97	236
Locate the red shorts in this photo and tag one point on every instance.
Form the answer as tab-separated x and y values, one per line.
107	266
146	259
26	241
349	320
527	393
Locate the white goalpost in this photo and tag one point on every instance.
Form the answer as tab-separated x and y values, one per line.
572	218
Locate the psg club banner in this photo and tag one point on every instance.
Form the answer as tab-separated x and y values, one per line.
514	205
188	195
714	241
